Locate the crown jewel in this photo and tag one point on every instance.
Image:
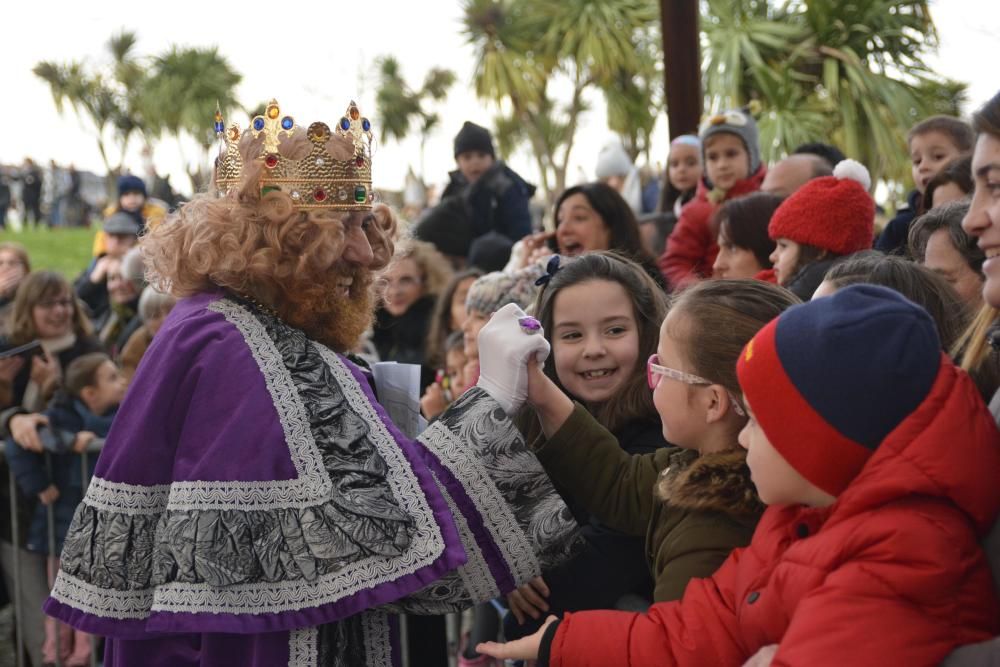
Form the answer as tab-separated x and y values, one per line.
316	166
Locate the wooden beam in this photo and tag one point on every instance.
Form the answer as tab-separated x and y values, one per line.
682	64
681	37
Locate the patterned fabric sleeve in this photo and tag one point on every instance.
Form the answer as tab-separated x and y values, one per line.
512	522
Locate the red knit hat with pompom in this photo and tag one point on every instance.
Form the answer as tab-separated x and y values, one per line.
834	213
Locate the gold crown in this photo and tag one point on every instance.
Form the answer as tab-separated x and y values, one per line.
316	167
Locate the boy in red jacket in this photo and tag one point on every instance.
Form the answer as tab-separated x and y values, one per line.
877	458
731	155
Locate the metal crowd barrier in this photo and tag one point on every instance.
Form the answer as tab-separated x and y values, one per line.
51	562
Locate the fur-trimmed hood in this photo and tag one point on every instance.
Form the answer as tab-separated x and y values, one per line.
718	482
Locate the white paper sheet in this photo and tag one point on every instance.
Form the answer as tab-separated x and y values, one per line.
398	389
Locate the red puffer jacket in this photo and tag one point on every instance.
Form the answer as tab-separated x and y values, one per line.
890	574
691	246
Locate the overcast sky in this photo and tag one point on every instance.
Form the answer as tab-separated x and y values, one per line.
321	56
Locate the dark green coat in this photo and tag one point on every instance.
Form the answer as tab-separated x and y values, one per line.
693	510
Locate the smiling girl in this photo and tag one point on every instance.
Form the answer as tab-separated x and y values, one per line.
601	313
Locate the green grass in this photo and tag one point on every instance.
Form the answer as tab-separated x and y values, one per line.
67	251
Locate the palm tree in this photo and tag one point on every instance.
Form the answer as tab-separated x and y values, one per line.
635	98
180	99
852	72
507	69
108	96
400	107
523	46
129	76
85	93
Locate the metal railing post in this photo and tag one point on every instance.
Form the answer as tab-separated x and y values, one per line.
14	535
52	559
404	641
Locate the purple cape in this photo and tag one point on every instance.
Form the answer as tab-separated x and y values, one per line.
255	505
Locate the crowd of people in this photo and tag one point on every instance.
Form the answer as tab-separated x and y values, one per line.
764	417
57	195
732	245
81	342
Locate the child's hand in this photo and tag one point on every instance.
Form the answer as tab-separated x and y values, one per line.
82	439
49	495
433	403
763	657
525	648
529	600
24	431
536	248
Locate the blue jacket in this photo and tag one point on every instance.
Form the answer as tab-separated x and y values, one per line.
68	416
497	201
892	240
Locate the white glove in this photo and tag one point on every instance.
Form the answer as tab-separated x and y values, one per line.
504	351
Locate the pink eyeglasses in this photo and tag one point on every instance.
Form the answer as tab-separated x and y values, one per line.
654	370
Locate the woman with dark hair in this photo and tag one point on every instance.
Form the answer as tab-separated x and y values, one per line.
593	216
744	245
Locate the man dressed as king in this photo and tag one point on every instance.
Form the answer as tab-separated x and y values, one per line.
254	504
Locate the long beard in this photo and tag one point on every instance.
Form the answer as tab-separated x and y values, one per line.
325	317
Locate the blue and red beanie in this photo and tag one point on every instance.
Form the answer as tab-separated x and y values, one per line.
828	380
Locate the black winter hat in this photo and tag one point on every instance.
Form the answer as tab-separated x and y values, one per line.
490	252
473	137
447	227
